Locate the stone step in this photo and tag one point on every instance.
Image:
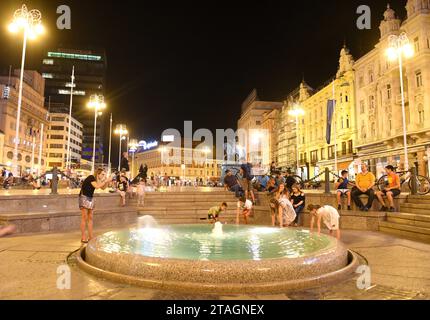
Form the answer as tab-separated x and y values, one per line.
181	204
399	219
419	205
405	227
415	210
419	199
409	232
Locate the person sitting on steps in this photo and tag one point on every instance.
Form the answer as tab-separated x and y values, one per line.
392	189
342	189
365	181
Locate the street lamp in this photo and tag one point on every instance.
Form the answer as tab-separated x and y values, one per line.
121	130
399	46
297	112
97	103
30	23
132	148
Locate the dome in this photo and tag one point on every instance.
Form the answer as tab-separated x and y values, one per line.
389	14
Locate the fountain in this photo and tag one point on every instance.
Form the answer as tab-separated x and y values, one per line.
217	230
217	259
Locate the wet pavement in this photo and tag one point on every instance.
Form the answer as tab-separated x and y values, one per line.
400	270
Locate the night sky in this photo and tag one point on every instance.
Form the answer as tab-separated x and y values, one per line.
170	61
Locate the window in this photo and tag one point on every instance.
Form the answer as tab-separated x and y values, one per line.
60	119
331	152
370	76
57	128
347	121
258	123
346	98
341	122
314	156
419	79
361	81
344	148
421	114
323	154
417	44
350	147
56	146
362	106
57	137
372	103
389	91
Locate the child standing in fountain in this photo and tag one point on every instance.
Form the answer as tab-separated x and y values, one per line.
214	212
329	215
243	205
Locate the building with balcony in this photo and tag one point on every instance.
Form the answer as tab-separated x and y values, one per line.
379	111
58	140
32	150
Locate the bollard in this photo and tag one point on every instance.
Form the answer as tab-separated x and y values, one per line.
54	181
414	184
327	181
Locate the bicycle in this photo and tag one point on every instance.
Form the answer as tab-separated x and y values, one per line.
423	183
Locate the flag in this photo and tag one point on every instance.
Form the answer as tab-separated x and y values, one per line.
331	104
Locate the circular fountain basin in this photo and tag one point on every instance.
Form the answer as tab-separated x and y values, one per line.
243	259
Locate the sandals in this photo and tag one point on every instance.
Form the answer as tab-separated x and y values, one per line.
84	241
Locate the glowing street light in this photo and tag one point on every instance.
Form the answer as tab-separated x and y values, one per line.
297	112
121	130
399	47
30	24
97	103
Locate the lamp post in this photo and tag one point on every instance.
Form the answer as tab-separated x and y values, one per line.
97	103
69	155
399	47
110	145
121	130
132	148
30	23
296	112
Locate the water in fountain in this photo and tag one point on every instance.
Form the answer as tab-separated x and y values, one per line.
217	230
146	222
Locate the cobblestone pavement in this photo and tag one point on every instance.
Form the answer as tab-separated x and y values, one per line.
400	269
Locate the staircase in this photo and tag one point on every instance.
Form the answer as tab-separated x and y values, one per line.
187	208
413	221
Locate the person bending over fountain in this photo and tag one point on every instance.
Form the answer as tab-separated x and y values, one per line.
287	214
95	181
214	212
244	206
328	214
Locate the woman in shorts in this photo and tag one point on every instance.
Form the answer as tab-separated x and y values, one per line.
95	181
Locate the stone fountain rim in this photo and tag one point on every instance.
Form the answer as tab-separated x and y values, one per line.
222	288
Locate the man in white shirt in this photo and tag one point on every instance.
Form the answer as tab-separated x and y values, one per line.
243	205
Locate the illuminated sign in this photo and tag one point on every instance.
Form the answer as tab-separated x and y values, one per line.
148	145
168	138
